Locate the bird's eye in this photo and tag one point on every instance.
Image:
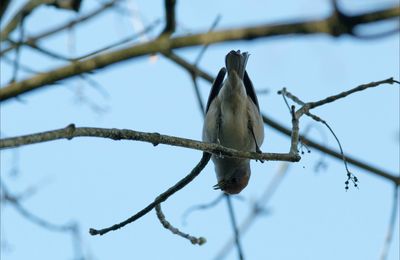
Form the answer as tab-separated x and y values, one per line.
234	180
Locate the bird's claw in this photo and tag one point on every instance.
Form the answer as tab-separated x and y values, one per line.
258	150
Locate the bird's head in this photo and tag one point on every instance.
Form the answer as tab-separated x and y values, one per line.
236	182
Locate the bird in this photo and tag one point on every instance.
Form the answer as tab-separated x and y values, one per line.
233	119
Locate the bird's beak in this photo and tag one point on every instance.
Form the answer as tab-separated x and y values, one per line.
219	185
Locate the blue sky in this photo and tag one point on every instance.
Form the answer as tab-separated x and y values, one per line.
99	182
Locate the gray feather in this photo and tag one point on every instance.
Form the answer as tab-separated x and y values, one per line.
236	61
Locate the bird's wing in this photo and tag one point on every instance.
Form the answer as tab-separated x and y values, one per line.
216	87
250	89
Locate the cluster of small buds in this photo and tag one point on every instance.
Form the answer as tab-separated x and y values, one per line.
302	148
353	178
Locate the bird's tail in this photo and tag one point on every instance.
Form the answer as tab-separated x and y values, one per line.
236	61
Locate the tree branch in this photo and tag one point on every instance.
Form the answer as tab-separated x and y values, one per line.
71	131
25	10
34	39
13	200
170	22
258	208
164	44
392	224
236	232
286	131
3	7
161	198
161	217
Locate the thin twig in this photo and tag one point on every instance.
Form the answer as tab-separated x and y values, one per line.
391	226
125	40
161	198
17	50
60	28
194	76
71	228
201	207
234	227
198	95
170	20
307	106
3	7
335	154
16	19
203	50
194	240
30	216
257	209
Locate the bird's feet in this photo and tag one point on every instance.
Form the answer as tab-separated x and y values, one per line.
258	150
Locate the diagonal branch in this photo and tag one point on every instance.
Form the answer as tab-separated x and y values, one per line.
161	198
164	44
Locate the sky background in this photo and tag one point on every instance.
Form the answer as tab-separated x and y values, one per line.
99	182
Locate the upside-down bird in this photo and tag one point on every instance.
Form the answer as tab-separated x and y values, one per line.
233	120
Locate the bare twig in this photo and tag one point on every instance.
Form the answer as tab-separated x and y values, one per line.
203	50
24	11
307	106
391	226
23	67
28	215
71	228
83	18
73	5
234	227
198	95
3	7
164	44
55	55
194	240
170	20
257	209
201	207
191	68
194	76
161	198
17	50
335	154
71	131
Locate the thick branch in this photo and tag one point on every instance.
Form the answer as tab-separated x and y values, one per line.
164	44
155	138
